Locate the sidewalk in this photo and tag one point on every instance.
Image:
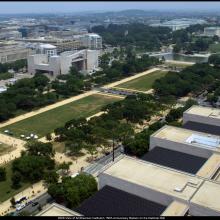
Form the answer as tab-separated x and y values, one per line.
31	192
17	144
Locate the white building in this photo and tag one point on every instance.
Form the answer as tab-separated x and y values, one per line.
91	41
47	49
85	61
212	31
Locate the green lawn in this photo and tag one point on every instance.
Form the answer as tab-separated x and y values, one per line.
6	191
46	122
143	83
180	65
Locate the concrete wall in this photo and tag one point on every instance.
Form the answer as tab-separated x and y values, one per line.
200	119
92	59
181	147
197	210
141	191
41	62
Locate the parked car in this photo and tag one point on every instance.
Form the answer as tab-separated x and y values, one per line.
35	203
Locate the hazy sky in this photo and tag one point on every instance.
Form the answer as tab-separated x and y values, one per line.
41	7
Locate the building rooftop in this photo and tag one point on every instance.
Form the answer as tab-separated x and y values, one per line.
110	201
206	128
204	111
48	46
208	196
175	159
165	180
57	210
189	137
209	169
176	208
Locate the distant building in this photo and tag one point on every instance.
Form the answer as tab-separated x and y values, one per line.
91	41
212	31
7	34
12	53
177	24
85	61
47	49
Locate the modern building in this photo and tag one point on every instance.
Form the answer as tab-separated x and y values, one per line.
212	31
91	41
85	61
186	141
204	119
177	192
179	176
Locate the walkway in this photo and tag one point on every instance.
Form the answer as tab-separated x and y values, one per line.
130	78
47	108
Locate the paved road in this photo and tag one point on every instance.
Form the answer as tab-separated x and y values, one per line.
42	200
99	164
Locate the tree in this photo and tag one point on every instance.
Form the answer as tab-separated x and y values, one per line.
65	167
214	59
12	200
51	177
73	190
16	179
2	174
39	148
49	136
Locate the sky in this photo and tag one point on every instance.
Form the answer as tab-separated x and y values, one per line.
68	7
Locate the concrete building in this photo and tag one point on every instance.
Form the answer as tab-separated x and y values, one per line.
180	193
203	115
91	41
48	49
62	45
9	34
85	61
12	53
212	31
186	141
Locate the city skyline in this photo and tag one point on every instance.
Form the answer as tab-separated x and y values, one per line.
77	7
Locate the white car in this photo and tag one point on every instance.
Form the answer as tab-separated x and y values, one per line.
20	207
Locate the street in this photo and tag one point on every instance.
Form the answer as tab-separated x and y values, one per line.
100	163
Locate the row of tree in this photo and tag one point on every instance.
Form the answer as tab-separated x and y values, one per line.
16	65
193	79
109	129
135	34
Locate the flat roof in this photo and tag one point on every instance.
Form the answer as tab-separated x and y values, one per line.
208	196
204	111
176	208
175	159
206	128
210	167
57	210
182	135
153	176
110	201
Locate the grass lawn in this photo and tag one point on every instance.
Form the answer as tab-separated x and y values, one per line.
143	83
180	65
4	148
6	191
46	122
214	48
